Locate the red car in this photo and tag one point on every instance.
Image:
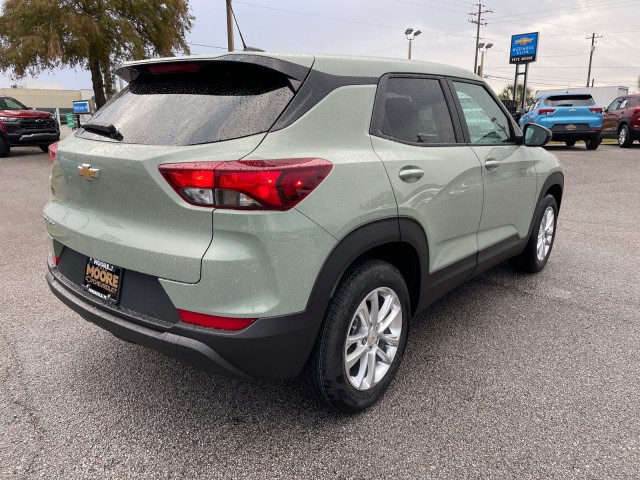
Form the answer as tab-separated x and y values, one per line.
621	120
23	127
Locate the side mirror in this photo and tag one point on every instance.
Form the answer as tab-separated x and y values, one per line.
536	135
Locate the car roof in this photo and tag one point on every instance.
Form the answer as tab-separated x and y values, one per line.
353	66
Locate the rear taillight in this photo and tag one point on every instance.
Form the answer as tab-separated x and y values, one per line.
546	110
212	321
247	184
595	109
53	148
636	111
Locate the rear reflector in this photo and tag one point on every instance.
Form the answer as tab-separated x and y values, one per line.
596	110
174	68
546	110
211	321
247	184
53	148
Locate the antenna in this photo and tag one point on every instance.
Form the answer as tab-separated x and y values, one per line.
244	45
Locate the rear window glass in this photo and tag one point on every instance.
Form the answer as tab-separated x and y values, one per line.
415	111
570	101
221	101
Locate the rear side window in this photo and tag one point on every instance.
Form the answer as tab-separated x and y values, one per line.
221	101
570	101
415	111
485	120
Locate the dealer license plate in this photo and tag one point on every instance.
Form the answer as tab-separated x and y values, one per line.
102	279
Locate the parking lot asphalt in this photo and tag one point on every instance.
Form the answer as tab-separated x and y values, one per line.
510	376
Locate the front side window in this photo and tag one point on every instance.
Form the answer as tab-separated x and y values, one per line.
485	120
415	111
614	104
624	103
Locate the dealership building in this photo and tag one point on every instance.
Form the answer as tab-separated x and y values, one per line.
47	96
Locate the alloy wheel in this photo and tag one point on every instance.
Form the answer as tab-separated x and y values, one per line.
622	136
373	338
545	234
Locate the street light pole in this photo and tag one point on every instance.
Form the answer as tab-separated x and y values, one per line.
411	35
483	51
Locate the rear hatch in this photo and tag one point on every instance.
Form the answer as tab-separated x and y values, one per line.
571	109
109	200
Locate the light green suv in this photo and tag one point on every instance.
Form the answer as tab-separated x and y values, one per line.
267	215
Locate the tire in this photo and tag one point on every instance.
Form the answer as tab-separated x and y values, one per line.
535	255
592	143
345	329
570	143
45	148
624	138
4	148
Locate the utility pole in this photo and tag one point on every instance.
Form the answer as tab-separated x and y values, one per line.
594	36
478	21
229	26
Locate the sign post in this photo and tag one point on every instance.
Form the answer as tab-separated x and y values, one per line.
524	50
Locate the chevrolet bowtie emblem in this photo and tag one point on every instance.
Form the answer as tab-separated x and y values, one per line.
88	173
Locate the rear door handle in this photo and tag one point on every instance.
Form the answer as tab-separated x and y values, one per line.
411	174
491	164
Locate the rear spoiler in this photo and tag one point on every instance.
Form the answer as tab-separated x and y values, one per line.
294	72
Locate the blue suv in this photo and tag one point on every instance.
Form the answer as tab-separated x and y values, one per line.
570	117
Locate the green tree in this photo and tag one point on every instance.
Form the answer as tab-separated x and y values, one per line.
507	94
97	35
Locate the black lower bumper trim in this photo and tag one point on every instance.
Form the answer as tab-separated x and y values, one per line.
270	349
28	139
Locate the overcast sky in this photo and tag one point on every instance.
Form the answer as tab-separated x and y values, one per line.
376	28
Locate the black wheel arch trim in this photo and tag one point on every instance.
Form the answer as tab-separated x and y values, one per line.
556	179
364	238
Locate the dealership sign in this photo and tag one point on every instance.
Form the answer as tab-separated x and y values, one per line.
524	48
81	106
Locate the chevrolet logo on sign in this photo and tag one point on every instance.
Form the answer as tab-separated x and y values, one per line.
88	173
523	41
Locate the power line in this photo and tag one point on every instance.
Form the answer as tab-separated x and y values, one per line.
207	46
429	6
325	17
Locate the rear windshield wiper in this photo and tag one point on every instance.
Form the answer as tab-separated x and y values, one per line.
106	129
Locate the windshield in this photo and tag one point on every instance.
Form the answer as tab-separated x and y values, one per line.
8	103
220	101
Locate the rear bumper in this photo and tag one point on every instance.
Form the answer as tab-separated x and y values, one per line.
570	136
269	349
